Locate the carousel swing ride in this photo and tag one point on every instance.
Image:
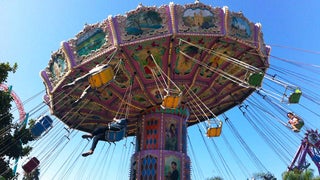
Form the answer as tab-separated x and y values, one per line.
163	69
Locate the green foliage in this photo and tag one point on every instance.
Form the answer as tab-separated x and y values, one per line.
13	140
5	106
5	68
34	175
5	170
307	174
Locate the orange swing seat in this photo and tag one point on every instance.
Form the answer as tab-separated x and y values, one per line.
214	131
171	100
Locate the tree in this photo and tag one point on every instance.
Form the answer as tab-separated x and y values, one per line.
307	174
264	176
34	175
13	140
5	68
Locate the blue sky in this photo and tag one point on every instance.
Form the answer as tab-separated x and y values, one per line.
31	30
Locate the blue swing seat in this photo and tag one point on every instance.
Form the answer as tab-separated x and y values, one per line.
114	136
117	130
41	125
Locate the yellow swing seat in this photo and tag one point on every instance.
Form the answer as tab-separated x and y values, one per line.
172	99
101	77
214	131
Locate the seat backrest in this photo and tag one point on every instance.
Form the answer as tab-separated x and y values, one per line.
41	125
215	131
295	97
171	102
255	79
114	136
31	165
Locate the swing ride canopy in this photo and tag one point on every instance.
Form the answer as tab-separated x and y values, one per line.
209	53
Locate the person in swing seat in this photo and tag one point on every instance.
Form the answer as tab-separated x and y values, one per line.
295	122
99	133
99	68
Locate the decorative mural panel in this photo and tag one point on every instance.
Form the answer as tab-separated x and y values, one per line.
184	65
57	66
151	131
122	77
199	18
171	138
172	167
142	55
143	22
140	98
240	27
149	167
103	94
90	41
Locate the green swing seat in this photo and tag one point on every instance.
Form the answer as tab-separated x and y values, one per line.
255	79
295	96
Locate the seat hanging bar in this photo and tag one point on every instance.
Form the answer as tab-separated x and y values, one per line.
211	131
172	98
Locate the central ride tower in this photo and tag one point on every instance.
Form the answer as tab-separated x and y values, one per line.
161	145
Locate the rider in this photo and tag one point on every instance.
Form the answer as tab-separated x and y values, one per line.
99	68
295	122
99	133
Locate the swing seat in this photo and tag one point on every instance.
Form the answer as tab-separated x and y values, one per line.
300	124
171	102
214	131
114	136
101	77
295	96
32	164
172	99
42	125
255	79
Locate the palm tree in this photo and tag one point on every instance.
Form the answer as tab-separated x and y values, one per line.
296	175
